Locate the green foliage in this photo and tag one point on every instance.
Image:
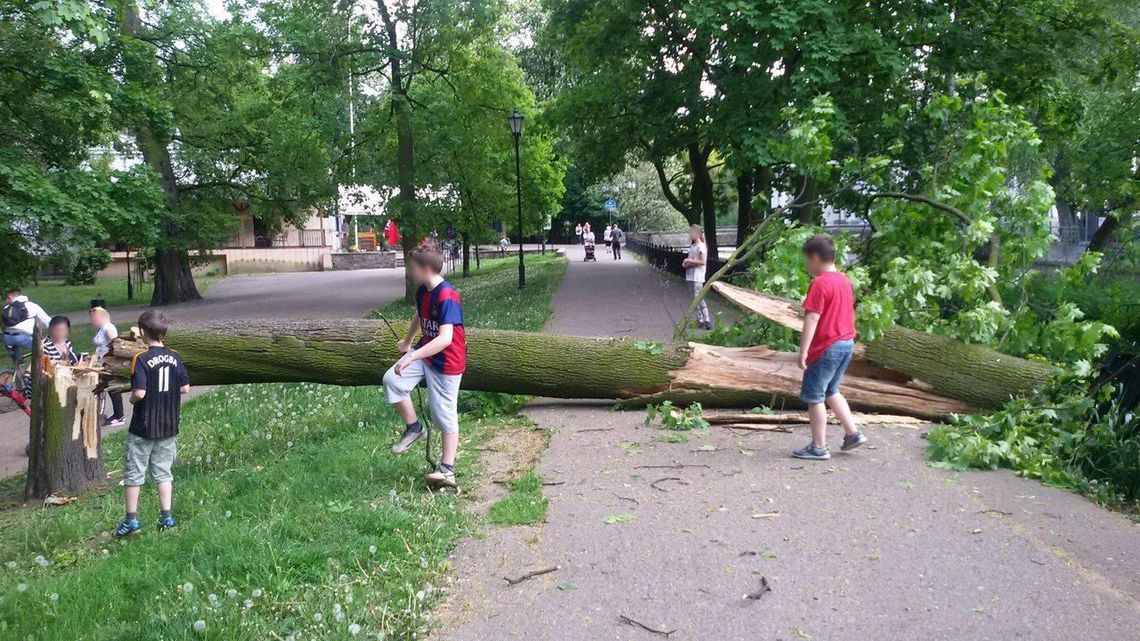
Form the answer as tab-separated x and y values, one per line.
653	347
523	505
87	265
674	418
751	329
1065	436
492	299
488	404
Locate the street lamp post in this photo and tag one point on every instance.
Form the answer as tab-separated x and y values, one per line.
516	122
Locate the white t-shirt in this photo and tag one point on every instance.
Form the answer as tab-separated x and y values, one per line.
696	273
35	312
588	237
103	338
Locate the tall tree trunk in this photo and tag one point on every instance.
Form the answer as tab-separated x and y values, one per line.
405	147
703	195
65	454
173	279
1105	234
466	256
1065	215
744	186
671	196
807	192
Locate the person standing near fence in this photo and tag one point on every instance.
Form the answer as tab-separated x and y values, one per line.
617	237
694	265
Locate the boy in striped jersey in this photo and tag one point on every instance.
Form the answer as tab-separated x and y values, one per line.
158	381
438	359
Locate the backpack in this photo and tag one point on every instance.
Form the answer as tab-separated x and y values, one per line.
15	313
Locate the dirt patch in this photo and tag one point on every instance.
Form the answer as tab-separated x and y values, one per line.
512	451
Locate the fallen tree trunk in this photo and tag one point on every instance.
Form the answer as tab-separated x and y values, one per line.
358	353
974	374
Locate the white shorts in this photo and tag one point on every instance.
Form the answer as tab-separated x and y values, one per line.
443	392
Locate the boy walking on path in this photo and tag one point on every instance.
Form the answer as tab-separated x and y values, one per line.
825	348
439	359
158	381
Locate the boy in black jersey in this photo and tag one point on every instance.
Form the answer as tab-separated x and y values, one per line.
158	381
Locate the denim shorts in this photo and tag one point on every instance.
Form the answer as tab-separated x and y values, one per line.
822	378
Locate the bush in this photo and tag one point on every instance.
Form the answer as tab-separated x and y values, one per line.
86	266
1065	436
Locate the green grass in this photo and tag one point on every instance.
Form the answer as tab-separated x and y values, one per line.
524	505
491	297
295	522
57	298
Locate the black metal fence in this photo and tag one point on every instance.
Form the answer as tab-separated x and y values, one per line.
666	257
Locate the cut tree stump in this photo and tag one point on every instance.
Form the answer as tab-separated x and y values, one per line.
973	374
65	453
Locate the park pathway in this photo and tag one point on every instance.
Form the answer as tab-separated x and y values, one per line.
724	537
292	296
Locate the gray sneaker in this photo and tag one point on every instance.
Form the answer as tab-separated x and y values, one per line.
409	438
441	477
853	441
812	453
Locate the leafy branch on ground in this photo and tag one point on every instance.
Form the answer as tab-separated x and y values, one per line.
675	418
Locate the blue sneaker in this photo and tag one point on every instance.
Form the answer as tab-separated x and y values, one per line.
166	523
853	441
812	453
128	528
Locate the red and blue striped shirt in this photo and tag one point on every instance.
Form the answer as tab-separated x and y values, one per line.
441	306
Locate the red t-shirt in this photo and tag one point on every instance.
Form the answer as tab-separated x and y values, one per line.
831	296
441	306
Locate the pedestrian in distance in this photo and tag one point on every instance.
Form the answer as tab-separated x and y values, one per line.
617	237
695	263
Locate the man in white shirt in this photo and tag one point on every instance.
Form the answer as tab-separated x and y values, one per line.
19	319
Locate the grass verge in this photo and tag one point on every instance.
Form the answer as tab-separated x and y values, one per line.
523	505
491	296
294	520
58	298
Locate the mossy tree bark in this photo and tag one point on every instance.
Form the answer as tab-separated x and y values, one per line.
358	353
974	374
65	455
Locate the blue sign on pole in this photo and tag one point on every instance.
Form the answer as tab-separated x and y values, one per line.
611	204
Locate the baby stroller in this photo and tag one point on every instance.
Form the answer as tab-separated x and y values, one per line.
590	253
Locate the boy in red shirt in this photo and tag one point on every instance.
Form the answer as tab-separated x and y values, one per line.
827	341
439	359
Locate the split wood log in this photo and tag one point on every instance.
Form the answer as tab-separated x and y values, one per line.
862	418
65	451
974	374
358	353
